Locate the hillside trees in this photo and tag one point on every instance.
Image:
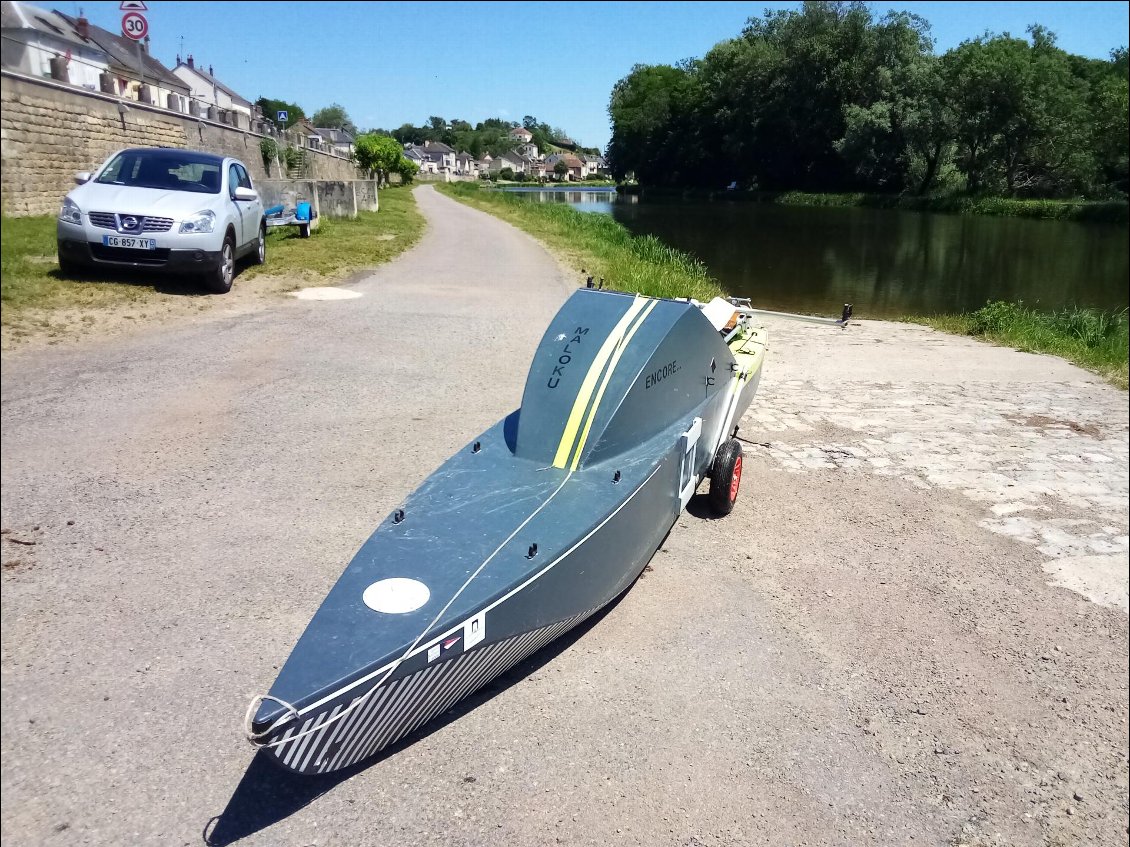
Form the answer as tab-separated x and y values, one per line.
830	98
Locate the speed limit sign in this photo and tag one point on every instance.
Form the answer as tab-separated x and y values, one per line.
134	26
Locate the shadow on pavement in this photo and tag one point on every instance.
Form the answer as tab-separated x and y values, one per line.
268	794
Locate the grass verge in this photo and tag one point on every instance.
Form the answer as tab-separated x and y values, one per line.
31	286
1091	338
627	262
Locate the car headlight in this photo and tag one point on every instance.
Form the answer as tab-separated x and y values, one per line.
70	212
200	222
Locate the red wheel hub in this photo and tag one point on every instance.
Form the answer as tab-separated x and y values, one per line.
736	479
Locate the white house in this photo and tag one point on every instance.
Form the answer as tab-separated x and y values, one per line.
208	90
73	50
520	133
518	163
32	37
337	140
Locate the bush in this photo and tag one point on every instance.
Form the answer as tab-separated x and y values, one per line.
269	151
506	173
520	176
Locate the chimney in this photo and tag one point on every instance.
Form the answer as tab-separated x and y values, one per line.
210	71
191	63
82	27
145	44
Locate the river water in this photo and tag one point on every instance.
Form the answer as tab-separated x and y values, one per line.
888	263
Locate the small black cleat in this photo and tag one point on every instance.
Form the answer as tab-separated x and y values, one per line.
588	282
533	551
398	516
616	477
476	447
601	286
847	313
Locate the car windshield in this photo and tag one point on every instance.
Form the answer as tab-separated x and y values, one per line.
176	170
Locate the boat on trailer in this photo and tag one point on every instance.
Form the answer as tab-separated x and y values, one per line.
524	533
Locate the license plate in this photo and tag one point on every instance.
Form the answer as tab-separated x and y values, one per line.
131	243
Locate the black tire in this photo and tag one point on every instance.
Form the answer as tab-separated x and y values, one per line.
219	279
726	477
261	246
68	268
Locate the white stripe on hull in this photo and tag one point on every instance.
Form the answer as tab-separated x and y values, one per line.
398	708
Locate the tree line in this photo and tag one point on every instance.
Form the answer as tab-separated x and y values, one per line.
490	136
830	98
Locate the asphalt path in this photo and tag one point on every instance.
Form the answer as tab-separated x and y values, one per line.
849	658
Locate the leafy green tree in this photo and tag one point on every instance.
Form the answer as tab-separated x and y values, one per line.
381	155
506	173
334	116
1020	115
560	169
271	108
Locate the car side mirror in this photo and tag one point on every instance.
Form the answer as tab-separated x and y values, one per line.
242	193
82	177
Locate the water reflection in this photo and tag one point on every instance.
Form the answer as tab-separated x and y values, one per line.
889	263
582	199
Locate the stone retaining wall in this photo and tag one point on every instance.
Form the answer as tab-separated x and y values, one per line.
49	131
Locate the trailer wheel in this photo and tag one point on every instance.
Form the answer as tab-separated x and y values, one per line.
726	477
304	230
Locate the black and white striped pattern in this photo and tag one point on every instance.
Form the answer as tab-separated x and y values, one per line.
388	712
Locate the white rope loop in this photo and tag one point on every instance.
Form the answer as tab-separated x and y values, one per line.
256	738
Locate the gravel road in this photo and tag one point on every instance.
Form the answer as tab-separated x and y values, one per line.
912	629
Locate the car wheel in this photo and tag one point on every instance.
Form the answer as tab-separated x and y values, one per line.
220	279
726	477
68	268
261	251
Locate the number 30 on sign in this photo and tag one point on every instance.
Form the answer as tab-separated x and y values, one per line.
134	26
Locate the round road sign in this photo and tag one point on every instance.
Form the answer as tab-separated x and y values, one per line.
134	25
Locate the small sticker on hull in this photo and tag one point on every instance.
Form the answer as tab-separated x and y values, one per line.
433	652
474	630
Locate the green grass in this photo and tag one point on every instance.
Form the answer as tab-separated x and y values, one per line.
338	246
1091	338
627	262
31	279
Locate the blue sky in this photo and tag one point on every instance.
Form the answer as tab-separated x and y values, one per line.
391	63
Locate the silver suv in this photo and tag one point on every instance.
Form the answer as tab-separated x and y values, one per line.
167	209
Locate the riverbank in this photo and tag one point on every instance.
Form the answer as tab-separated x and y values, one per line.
1091	338
39	301
1093	211
604	248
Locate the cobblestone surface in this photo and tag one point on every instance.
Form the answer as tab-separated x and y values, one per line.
1048	460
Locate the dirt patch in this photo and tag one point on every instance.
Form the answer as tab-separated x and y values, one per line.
30	329
1044	422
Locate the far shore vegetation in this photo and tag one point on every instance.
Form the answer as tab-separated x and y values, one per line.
32	286
833	100
1093	339
1092	211
597	243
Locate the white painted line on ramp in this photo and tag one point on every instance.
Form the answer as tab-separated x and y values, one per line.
325	293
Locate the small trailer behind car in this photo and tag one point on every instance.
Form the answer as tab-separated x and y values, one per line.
301	215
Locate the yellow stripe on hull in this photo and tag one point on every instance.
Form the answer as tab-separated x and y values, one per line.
604	383
572	425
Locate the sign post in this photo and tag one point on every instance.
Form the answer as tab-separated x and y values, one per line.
282	116
135	27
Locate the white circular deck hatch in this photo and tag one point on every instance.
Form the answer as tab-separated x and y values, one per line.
396	596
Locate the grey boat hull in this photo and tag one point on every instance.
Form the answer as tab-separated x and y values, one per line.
532	528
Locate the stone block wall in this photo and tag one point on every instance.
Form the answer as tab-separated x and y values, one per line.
49	131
